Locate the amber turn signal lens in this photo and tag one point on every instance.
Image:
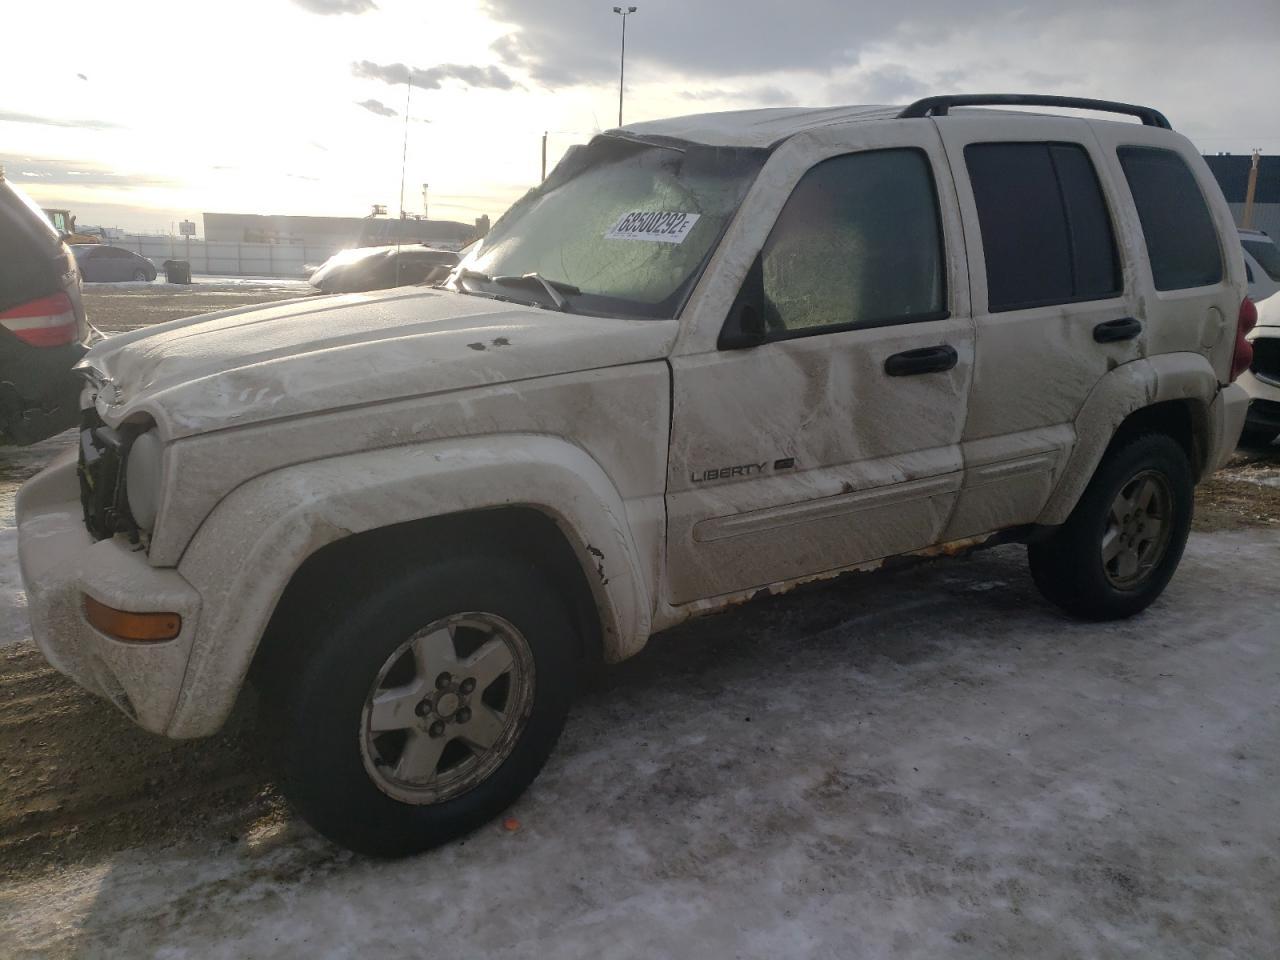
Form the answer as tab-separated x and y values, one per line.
137	627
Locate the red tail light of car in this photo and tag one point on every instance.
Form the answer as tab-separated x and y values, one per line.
1244	349
47	322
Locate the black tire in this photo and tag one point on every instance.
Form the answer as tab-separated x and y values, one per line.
1068	566
140	275
1257	437
318	690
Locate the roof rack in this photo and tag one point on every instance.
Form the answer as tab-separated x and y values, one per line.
939	106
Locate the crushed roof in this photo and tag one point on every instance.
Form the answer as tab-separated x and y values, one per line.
756	128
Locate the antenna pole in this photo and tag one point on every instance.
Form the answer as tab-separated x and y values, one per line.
404	156
404	153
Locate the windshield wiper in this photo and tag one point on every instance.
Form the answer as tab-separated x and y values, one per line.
469	275
552	287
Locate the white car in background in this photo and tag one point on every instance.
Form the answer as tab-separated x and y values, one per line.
1262	380
1262	264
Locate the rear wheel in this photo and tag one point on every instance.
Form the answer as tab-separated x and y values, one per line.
1120	546
427	706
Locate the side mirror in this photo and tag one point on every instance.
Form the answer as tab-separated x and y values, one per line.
745	326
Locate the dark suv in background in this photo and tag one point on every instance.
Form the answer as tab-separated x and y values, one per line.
43	328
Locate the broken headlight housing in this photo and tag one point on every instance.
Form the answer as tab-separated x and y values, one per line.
120	491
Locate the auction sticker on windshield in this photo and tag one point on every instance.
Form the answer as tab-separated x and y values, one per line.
655	225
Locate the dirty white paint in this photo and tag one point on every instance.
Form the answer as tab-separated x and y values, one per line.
319	354
324	416
932	764
756	128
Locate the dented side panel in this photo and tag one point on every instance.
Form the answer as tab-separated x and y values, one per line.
803	456
243	557
1122	392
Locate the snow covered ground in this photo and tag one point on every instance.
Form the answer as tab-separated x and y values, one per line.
926	763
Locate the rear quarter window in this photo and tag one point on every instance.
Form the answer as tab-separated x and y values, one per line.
1182	241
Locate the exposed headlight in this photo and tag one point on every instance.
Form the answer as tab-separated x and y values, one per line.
143	475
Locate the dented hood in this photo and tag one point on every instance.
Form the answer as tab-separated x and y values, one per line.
323	353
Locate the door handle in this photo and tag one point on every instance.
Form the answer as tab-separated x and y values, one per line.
924	360
1112	331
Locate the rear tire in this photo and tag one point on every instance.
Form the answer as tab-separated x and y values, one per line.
1121	545
378	739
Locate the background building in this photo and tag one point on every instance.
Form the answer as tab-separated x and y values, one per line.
1232	172
337	233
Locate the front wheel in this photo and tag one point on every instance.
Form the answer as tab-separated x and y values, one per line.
1119	548
140	275
425	707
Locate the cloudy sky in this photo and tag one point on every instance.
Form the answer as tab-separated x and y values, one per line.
138	113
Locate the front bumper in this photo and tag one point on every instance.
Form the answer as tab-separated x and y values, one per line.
1264	393
61	563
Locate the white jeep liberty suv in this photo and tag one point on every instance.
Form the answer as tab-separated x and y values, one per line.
709	357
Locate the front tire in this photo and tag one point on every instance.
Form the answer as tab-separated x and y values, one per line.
1121	545
424	707
140	275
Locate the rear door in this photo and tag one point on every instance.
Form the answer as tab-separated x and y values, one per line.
1053	310
836	440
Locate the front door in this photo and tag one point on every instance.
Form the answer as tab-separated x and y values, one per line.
836	440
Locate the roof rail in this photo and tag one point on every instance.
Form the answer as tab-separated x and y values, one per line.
939	106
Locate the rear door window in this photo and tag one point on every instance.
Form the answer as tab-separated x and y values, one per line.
1182	242
1046	232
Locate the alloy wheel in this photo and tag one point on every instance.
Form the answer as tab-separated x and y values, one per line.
447	708
1138	530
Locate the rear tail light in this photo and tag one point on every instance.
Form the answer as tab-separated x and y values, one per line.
47	322
1243	356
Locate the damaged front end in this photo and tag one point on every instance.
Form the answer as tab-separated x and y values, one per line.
103	473
103	464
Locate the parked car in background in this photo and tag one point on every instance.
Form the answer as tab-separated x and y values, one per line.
706	359
1262	264
1262	380
43	328
379	268
100	263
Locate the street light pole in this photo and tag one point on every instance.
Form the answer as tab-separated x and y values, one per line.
623	12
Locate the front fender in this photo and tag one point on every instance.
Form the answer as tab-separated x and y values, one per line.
1119	394
244	554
